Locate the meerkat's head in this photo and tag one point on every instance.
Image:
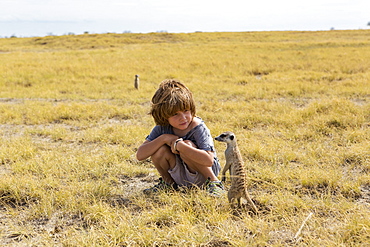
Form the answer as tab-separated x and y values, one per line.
227	137
136	76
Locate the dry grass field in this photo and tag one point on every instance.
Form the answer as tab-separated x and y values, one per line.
71	121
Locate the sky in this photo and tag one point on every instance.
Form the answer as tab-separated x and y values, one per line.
30	18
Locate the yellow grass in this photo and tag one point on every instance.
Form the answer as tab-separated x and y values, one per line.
71	121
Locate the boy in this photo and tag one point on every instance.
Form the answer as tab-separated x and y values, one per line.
180	145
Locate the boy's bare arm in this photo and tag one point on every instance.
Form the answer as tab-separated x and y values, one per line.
148	148
194	155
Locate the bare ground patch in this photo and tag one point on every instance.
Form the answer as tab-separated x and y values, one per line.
365	195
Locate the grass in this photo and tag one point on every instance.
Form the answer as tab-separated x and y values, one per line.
71	122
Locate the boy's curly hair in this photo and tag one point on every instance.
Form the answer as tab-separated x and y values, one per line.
171	96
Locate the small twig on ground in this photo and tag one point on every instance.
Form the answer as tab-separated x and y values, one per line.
300	229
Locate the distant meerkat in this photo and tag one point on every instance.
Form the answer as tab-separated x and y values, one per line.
137	82
234	163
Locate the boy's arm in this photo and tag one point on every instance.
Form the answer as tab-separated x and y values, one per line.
148	148
192	154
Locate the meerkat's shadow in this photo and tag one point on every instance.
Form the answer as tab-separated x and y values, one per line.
245	209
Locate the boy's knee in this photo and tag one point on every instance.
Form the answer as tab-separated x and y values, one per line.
162	152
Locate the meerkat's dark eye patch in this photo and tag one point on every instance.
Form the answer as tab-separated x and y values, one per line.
222	135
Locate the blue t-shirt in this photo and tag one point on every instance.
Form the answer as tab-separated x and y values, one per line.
200	135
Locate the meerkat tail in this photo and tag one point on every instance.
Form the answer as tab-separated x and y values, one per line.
246	194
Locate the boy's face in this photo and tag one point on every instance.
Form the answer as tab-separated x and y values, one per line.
181	120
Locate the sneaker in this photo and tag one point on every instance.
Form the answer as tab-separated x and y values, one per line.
161	186
214	188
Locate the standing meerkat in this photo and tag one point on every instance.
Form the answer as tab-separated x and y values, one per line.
137	82
234	163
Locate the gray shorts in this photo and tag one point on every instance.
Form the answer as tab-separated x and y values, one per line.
183	177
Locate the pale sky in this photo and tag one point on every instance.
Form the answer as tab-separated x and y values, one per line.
24	18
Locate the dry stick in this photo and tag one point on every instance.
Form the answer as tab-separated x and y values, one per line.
300	229
263	181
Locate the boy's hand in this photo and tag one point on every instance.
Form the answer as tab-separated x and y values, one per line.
169	139
174	145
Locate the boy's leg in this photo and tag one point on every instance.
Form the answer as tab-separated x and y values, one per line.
207	172
164	160
212	185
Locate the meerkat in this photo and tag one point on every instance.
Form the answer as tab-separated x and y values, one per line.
234	163
137	82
